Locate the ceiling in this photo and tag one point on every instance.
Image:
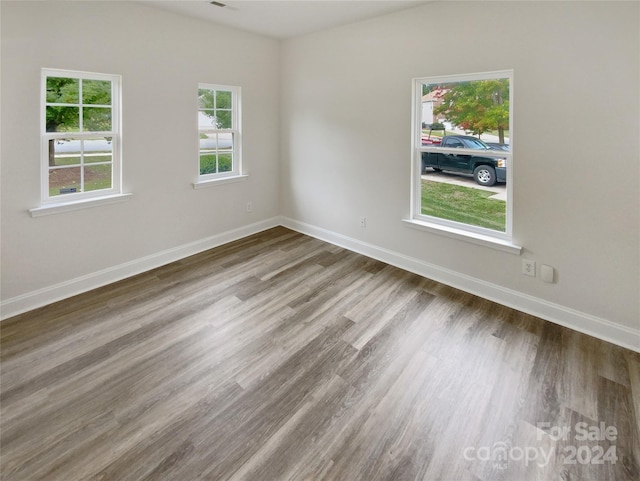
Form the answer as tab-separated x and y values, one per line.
283	18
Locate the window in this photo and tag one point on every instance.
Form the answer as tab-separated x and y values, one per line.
462	157
219	132
80	125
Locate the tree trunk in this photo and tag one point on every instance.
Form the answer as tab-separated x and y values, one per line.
52	152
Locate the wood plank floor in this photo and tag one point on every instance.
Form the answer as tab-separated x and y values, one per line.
279	357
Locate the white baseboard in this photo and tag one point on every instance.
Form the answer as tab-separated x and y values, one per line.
579	321
556	313
64	290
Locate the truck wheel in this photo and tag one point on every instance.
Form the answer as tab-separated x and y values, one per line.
485	175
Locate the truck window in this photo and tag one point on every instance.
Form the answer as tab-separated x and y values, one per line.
476	144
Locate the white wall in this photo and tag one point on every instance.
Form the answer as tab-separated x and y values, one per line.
161	57
346	145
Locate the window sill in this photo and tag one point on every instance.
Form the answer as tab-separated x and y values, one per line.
58	208
474	238
201	184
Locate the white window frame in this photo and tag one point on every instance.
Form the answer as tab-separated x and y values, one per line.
476	234
52	204
236	173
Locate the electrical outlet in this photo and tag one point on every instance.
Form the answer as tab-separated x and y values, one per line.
363	222
529	267
249	207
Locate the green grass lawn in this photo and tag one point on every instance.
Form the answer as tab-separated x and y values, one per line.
89	159
463	204
96	177
435	133
208	163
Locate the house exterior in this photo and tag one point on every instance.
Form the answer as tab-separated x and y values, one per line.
429	102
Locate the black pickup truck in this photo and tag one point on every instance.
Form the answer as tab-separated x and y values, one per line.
487	166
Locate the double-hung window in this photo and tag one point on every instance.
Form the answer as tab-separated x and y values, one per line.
462	154
80	125
219	132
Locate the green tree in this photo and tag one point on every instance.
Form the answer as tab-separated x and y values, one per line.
64	90
478	106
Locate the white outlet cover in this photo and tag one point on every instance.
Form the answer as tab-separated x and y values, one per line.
546	273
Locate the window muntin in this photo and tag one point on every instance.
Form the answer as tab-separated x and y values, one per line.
80	135
463	105
218	131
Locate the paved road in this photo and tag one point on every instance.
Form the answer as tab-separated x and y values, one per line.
72	147
92	145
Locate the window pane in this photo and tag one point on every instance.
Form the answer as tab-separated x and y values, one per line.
96	119
63	119
64	152
225	141
206	98
223	99
97	92
208	142
207	119
216	152
208	162
208	153
214	119
97	177
225	162
62	90
98	150
223	119
463	204
472	107
433	127
64	181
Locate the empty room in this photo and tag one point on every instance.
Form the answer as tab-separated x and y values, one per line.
320	240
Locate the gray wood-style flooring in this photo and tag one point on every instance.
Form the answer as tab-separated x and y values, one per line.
280	357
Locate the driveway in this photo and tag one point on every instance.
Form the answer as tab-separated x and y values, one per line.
500	190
